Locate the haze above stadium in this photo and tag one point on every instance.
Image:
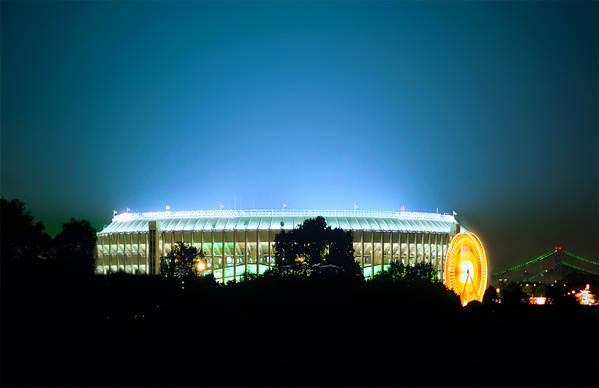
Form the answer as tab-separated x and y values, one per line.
485	108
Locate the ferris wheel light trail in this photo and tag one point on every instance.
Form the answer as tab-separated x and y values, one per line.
466	268
466	282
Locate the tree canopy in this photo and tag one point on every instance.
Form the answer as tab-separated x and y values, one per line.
312	246
397	271
74	247
26	246
181	261
22	239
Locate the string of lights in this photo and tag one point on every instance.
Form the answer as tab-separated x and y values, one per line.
581	258
527	263
578	268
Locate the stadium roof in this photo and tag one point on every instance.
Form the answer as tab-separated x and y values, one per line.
281	219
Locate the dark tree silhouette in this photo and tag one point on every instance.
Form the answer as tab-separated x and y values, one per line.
21	239
74	248
422	271
341	251
397	269
395	272
512	295
560	295
540	290
313	237
313	244
490	296
248	277
181	261
528	289
287	252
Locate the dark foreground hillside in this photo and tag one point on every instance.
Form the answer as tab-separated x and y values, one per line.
124	331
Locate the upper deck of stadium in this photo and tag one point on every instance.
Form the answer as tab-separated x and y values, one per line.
277	219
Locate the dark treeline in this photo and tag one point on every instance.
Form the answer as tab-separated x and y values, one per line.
25	245
123	330
318	330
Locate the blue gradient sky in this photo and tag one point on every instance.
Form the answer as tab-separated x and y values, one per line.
488	108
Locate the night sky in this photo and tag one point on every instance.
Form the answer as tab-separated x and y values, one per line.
486	108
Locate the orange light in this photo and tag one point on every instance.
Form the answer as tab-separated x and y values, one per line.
466	267
201	266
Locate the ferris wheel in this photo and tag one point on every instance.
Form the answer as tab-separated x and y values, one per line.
466	268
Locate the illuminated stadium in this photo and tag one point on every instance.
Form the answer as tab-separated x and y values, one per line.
238	241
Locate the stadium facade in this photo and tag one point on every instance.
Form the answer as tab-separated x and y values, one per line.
239	241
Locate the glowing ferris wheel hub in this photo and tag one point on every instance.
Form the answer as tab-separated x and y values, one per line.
466	267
